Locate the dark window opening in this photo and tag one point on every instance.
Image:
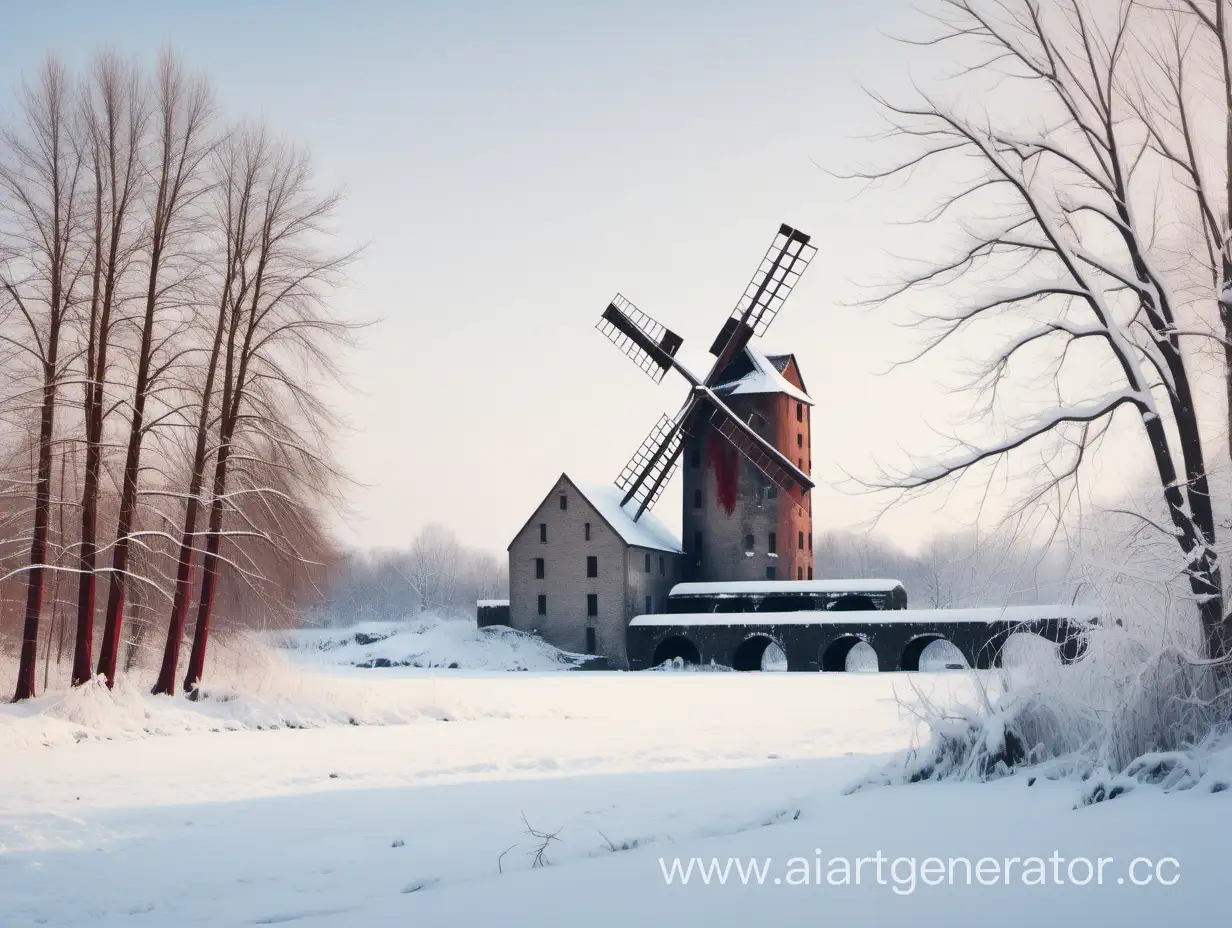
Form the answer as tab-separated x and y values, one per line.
564	501
773	548
799	412
539	568
799	440
810	541
770	572
748	542
592	604
800	541
799	573
543	604
647	562
697	499
800	463
591	644
586	531
543	533
810	573
592	566
649	604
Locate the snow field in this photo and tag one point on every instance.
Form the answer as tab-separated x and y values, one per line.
181	821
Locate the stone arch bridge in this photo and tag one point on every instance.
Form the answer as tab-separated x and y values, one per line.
815	641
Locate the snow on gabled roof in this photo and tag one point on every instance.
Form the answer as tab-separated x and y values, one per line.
646	532
765	377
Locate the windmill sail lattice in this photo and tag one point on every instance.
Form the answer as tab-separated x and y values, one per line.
653	462
650	344
785	260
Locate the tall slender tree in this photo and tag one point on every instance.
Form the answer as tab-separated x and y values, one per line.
239	168
116	119
278	328
182	110
40	177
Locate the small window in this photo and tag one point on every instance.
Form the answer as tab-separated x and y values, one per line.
647	562
649	605
586	531
773	543
770	572
591	645
799	573
799	444
799	412
592	604
810	573
592	566
539	569
564	501
800	541
662	566
543	533
543	604
748	542
800	463
810	541
697	499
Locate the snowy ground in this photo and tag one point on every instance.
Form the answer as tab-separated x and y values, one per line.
152	813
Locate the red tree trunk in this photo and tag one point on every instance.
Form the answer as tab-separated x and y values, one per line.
110	649
42	517
209	578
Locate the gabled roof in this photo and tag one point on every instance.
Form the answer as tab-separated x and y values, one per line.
646	532
753	372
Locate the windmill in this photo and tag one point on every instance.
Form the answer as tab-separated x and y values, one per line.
653	347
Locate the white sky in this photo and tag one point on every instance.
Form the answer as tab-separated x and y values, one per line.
513	167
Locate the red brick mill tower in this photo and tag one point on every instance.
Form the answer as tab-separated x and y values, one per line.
738	524
743	432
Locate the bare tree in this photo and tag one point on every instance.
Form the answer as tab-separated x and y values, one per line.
279	343
40	176
1186	107
116	118
1059	261
238	167
182	112
431	566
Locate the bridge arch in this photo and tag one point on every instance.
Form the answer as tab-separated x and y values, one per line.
1059	639
915	648
749	653
675	646
834	654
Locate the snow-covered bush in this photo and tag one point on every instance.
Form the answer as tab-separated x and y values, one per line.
1121	713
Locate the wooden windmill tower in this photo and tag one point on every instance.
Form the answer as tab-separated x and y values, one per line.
743	430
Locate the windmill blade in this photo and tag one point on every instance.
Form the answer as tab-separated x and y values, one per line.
653	464
759	452
651	345
786	259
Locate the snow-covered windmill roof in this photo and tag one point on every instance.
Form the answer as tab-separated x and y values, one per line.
765	377
646	532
